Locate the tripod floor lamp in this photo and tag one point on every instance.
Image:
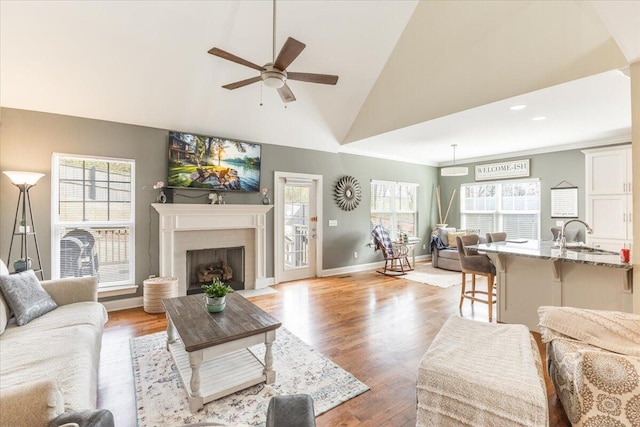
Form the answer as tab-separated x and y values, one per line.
23	226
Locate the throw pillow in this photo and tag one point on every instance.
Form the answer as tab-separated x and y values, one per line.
452	238
25	296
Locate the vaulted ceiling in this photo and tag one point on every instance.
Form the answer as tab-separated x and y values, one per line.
415	77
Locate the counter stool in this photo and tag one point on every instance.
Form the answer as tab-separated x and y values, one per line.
476	264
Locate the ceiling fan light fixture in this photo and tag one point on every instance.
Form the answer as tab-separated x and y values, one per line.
454	170
272	77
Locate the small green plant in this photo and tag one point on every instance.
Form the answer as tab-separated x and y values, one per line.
217	289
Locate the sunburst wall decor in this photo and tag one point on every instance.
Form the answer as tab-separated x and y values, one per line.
348	193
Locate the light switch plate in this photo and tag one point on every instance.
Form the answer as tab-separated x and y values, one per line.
559	223
333	223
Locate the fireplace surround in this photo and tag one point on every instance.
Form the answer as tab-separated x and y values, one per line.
184	226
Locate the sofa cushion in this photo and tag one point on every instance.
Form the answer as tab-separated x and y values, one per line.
5	314
80	313
448	253
26	297
68	354
30	403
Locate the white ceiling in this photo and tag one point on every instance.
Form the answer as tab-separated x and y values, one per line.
146	63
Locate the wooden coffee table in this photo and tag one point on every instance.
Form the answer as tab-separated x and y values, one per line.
212	352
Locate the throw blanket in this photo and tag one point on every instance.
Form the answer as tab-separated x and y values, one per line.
480	374
436	241
610	330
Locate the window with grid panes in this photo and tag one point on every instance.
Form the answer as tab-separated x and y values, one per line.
509	206
395	206
93	218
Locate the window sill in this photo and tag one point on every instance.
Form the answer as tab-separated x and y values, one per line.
113	291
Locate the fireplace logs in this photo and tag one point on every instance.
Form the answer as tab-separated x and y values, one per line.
219	269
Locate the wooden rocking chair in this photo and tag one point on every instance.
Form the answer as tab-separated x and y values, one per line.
396	259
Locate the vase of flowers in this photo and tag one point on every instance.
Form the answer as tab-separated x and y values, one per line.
162	198
265	196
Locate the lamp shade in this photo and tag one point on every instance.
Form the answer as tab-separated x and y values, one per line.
454	171
21	178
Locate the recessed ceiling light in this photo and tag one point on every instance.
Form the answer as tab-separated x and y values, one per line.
517	107
539	118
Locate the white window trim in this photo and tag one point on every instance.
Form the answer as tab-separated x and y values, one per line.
394	224
498	213
120	287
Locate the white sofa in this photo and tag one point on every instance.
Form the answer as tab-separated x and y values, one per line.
50	365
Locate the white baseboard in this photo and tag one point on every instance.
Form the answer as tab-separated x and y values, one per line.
126	303
266	282
361	267
123	304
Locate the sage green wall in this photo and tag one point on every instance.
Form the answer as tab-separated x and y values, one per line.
550	168
28	139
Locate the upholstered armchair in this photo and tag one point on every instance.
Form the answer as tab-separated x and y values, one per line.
593	358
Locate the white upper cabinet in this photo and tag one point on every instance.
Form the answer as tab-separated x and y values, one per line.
609	197
608	171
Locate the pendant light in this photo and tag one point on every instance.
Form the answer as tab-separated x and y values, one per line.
454	170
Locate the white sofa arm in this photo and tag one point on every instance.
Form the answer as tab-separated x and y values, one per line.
31	404
72	289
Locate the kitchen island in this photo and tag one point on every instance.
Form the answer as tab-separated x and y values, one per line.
535	273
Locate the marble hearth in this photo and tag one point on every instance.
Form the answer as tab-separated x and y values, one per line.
186	227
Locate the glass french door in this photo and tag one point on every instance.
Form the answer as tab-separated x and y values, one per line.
297	231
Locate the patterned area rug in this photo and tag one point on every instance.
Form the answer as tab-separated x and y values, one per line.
435	276
162	400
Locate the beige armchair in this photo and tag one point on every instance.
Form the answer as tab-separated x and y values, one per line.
593	358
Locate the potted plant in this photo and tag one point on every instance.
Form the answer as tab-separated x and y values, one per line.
216	292
22	264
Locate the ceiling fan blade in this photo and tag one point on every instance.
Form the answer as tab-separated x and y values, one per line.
325	79
231	57
288	53
241	83
286	94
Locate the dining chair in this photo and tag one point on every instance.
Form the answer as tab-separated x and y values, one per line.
496	237
475	263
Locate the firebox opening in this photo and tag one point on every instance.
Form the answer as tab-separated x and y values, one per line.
204	265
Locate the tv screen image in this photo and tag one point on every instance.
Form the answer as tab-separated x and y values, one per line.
213	163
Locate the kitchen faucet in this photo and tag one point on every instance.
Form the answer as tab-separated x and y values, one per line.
563	240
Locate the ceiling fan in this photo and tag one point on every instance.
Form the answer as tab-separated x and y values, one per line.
274	74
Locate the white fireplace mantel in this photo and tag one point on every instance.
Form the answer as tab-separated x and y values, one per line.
181	217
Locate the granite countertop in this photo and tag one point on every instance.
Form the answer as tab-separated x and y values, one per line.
543	249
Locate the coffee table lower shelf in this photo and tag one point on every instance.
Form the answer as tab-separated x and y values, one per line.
219	376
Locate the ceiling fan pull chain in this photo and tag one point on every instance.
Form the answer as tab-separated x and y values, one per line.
261	94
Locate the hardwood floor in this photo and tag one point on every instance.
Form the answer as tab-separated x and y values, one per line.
374	326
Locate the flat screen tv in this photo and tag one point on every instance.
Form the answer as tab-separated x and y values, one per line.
213	163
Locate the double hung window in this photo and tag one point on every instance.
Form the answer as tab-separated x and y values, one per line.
395	206
509	206
93	218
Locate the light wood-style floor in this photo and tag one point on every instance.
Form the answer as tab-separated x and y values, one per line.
374	326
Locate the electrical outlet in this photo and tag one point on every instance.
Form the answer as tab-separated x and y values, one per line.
559	223
424	246
355	255
333	223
